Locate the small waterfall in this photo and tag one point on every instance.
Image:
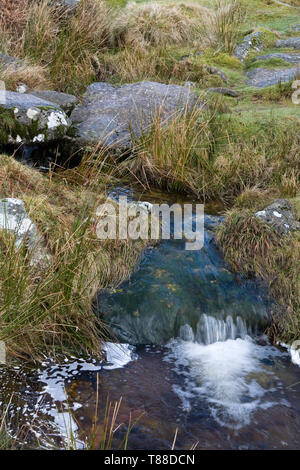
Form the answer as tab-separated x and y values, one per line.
218	361
211	330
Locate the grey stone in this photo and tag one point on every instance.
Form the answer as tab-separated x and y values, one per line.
65	3
14	219
251	42
262	77
280	216
290	42
115	116
65	101
70	2
224	91
41	120
292	58
215	71
295	27
9	61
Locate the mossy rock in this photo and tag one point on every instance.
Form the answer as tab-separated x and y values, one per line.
28	119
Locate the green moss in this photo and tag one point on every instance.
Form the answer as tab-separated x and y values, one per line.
276	93
46	108
10	126
272	63
116	3
268	37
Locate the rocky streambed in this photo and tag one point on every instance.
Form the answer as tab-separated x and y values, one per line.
192	357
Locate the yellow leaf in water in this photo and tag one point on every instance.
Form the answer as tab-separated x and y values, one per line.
172	287
159	273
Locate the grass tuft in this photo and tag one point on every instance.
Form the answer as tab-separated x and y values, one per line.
255	249
49	310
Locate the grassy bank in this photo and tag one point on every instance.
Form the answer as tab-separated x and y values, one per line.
49	310
255	249
214	155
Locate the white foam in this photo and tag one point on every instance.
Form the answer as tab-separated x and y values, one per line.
294	351
223	373
118	355
53	399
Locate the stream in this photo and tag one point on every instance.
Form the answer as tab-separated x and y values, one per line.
193	358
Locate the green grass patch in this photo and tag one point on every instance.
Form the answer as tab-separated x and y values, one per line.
272	63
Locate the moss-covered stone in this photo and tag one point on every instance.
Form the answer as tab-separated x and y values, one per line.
28	119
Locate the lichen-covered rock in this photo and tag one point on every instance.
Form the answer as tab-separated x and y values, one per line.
290	42
295	28
115	116
69	3
263	77
251	42
14	218
28	119
9	61
65	3
65	101
280	216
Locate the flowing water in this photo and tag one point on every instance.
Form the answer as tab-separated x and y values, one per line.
193	358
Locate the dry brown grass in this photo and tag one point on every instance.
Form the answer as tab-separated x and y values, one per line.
175	155
66	44
222	27
211	155
151	23
80	47
35	77
13	15
158	64
255	198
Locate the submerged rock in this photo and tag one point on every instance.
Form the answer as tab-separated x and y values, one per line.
65	101
175	291
262	77
115	116
35	120
280	216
